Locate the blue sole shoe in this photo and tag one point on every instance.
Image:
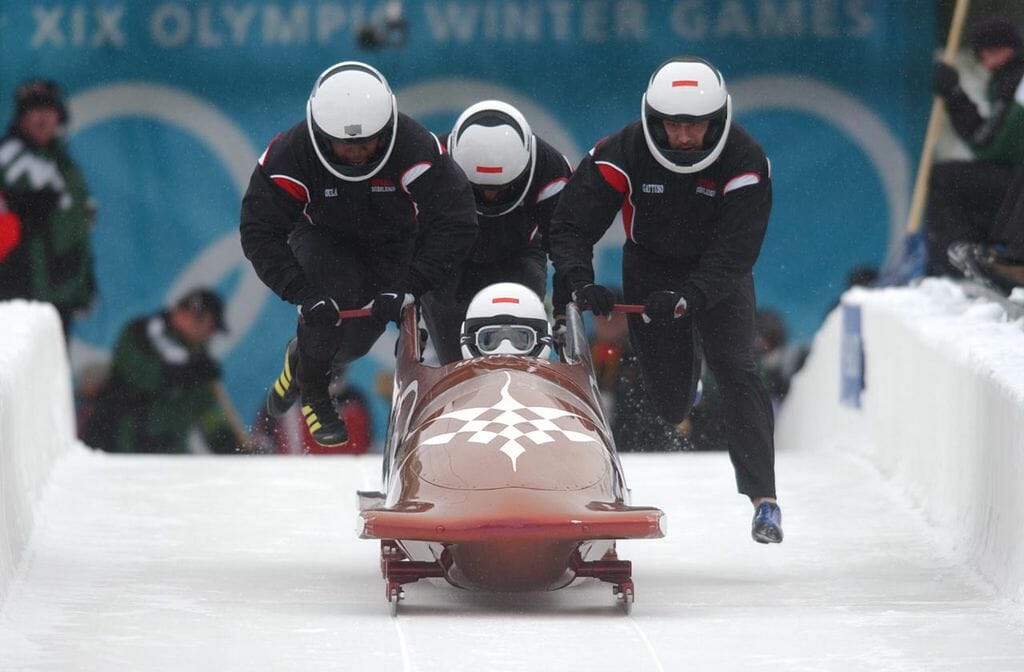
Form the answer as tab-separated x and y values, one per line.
767	525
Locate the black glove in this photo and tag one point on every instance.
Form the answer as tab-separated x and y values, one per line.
945	79
559	330
597	298
387	306
319	311
663	306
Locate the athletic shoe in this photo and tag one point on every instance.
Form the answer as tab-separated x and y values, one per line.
983	264
323	422
285	390
767	525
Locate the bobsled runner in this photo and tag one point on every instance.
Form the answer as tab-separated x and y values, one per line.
500	474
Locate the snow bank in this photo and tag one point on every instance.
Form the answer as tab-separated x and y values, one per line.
36	419
941	413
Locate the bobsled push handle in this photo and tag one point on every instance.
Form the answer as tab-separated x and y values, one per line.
358	312
627	308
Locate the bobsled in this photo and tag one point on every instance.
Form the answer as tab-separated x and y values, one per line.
500	474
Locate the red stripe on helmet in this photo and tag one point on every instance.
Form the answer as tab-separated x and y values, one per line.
505	300
686	82
489	169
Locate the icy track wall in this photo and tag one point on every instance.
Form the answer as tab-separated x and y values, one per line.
36	419
941	413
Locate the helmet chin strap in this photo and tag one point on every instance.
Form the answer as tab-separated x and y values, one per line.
653	145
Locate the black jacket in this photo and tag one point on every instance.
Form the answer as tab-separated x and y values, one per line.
713	220
982	132
527	226
417	210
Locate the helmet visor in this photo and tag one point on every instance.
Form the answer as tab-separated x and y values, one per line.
364	167
513	339
493	200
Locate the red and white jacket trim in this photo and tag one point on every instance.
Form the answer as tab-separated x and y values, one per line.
620	182
551	188
742	180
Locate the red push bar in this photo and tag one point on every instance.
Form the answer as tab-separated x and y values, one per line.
358	312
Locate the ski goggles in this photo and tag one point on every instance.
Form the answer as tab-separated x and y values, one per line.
520	339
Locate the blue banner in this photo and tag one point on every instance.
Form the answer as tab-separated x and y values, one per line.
851	357
171	103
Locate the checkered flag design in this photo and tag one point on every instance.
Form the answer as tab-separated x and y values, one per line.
509	421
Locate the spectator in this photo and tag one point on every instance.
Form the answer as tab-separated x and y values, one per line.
778	360
861	276
964	196
44	234
161	383
999	264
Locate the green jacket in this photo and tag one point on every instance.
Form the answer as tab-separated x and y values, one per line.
44	187
1000	136
158	390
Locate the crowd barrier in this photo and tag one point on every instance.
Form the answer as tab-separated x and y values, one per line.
36	420
928	385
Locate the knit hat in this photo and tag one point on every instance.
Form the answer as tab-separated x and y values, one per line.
996	31
204	300
39	93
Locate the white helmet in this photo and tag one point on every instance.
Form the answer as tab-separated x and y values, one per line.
686	89
351	102
493	144
506	318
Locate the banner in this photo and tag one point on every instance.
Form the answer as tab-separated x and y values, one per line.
171	103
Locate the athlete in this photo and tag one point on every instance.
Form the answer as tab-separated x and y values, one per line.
357	205
506	318
695	193
517	178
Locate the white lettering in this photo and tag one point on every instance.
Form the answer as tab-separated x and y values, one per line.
773	22
281	29
329	19
688	20
631	20
170	25
490	22
47	27
522	23
78	26
561	13
239	21
863	24
733	20
824	14
108	27
206	35
456	21
594	21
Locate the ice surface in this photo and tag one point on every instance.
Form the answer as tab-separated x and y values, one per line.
163	563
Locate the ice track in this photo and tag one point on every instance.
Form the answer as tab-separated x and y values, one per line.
155	563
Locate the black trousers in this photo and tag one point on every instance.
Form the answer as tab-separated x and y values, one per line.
1009	226
352	277
669	362
444	308
963	199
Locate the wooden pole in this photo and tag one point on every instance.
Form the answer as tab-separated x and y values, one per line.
924	166
234	419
